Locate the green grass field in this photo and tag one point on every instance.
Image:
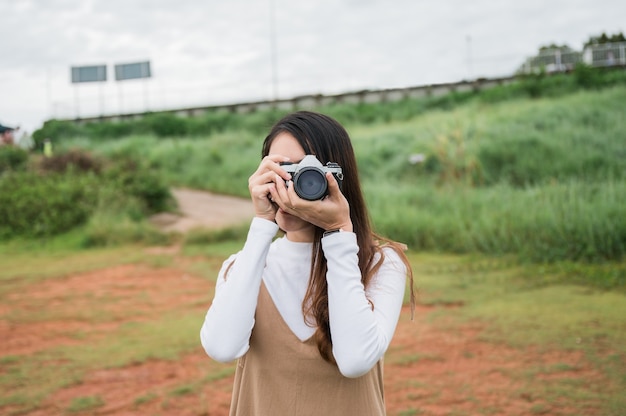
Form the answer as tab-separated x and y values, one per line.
542	178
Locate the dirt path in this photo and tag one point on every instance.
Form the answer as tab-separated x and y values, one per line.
199	209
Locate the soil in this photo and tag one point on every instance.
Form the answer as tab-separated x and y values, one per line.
198	209
430	369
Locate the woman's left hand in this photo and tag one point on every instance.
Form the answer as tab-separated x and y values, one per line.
329	213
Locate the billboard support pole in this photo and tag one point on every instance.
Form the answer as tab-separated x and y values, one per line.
91	73
135	70
76	103
120	98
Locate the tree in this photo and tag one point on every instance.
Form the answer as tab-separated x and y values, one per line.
554	47
603	38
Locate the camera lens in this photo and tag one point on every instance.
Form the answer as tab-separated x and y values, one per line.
310	184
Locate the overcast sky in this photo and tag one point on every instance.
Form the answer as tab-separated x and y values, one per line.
210	52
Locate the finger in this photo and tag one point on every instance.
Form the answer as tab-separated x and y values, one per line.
261	192
277	157
272	163
261	178
282	187
333	185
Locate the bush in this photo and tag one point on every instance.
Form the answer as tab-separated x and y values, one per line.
55	130
109	129
586	76
165	125
139	181
12	158
75	159
70	188
34	205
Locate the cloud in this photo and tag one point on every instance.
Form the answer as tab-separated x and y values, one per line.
218	51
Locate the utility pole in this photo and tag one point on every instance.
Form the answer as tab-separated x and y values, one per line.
468	39
273	51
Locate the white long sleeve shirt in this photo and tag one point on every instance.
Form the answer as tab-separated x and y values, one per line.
361	335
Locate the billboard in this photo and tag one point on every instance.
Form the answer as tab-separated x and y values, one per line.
132	71
93	73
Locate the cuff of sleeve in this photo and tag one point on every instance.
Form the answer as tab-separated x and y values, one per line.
260	225
339	238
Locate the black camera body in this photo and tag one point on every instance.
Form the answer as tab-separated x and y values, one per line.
309	177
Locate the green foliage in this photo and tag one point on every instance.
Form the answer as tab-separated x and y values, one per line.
532	167
140	181
109	130
576	220
55	130
259	122
111	227
604	38
12	158
84	403
73	189
75	159
43	205
518	162
206	237
586	76
165	124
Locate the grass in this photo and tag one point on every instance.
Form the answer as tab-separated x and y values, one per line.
81	404
28	262
522	314
500	292
541	178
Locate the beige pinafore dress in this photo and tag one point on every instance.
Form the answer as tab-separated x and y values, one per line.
283	376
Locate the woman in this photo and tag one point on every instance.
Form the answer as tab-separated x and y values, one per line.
311	314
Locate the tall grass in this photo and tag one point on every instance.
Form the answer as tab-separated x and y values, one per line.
541	177
573	220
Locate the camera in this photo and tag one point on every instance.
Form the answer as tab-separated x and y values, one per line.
309	177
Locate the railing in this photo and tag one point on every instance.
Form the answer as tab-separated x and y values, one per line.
319	100
607	54
559	60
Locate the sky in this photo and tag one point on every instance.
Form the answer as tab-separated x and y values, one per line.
212	52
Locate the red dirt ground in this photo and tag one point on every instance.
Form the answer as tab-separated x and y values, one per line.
430	369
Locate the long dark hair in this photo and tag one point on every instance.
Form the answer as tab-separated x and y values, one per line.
324	137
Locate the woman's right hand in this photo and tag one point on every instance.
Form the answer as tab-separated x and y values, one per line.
262	181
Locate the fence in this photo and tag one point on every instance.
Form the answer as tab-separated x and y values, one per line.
319	100
563	59
607	54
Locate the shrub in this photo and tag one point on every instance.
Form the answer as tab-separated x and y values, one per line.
12	158
141	182
109	129
34	205
586	76
55	130
70	188
165	125
79	160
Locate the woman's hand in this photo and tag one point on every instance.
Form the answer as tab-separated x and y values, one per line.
329	213
263	183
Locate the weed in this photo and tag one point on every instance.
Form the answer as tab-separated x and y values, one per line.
81	404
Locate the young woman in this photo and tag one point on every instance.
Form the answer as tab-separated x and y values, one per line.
309	315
